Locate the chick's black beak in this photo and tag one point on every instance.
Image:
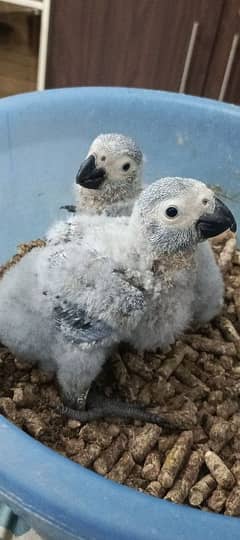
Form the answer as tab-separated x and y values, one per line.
89	176
222	219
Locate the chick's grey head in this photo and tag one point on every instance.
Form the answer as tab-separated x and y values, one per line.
174	214
112	170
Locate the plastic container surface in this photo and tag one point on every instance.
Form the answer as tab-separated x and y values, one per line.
43	138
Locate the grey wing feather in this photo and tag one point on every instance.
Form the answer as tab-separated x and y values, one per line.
77	327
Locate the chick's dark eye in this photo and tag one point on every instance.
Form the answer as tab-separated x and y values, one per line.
171	211
103	158
126	166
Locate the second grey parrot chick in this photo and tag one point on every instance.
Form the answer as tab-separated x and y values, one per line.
110	178
108	181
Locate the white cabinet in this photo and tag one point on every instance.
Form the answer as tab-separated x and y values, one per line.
42	7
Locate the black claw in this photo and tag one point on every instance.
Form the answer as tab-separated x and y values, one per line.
100	407
69	207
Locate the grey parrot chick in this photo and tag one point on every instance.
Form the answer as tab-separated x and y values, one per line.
127	279
109	181
110	178
174	218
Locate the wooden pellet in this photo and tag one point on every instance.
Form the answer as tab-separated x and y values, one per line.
227	408
87	456
236	471
226	362
175	459
215	397
236	258
161	391
217	500
226	254
233	502
25	396
236	419
170	364
187	377
236	299
74	446
109	457
100	436
151	467
199	435
165	443
229	331
33	423
73	424
203	344
156	489
188	477
183	419
8	408
219	470
197	393
214	368
220	434
201	490
122	468
136	364
143	442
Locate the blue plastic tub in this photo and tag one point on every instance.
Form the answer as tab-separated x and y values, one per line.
43	138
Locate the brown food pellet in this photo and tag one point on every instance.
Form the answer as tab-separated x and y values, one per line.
220	434
156	489
217	500
183	419
171	363
227	408
233	502
199	435
226	254
219	470
74	424
175	459
215	397
143	442
122	468
97	434
229	331
74	446
236	258
25	396
217	347
33	423
8	408
87	456
201	490
151	467
188	477
165	443
108	458
236	471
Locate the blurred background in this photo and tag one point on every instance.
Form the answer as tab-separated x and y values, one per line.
189	46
